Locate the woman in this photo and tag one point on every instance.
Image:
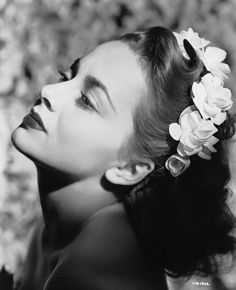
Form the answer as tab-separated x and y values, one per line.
119	207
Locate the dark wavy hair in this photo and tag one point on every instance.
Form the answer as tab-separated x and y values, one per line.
184	222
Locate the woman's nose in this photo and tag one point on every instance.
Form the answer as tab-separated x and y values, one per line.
52	97
47	96
45	101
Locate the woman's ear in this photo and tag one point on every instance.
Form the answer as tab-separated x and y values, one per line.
127	174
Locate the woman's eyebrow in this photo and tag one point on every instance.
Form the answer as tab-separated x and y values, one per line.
91	82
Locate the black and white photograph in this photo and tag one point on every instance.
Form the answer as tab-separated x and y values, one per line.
118	145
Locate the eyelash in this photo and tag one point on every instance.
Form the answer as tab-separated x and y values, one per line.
82	102
63	76
82	99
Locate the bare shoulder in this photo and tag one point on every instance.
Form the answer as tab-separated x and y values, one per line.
110	233
105	255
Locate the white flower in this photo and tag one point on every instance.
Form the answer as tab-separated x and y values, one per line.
211	98
177	164
197	42
195	134
212	58
196	125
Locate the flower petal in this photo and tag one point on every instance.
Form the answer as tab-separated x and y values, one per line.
212	141
227	98
199	90
199	97
220	70
205	130
188	110
211	111
187	123
189	140
212	59
205	153
175	131
180	149
214	54
185	150
219	118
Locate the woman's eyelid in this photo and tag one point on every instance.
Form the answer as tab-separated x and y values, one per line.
92	99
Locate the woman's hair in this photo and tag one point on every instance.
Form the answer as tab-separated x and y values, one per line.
184	222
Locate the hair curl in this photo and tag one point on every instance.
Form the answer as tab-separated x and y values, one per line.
184	223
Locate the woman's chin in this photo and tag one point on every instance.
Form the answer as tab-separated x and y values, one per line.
21	142
30	145
15	138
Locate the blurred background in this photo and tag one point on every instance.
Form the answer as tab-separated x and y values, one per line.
37	37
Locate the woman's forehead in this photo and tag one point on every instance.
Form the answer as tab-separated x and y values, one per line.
115	51
116	65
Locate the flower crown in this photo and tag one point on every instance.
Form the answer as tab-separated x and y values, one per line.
196	127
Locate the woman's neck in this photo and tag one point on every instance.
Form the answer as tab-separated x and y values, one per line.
67	204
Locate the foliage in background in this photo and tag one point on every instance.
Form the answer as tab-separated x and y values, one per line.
36	37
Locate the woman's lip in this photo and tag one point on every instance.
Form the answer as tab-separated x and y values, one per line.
37	118
34	121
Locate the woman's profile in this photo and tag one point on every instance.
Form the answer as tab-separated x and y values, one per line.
131	168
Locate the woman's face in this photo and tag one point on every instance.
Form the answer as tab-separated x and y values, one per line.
87	117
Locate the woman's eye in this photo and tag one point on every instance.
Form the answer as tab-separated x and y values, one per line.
85	102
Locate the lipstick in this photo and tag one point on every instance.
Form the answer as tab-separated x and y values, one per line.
34	121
